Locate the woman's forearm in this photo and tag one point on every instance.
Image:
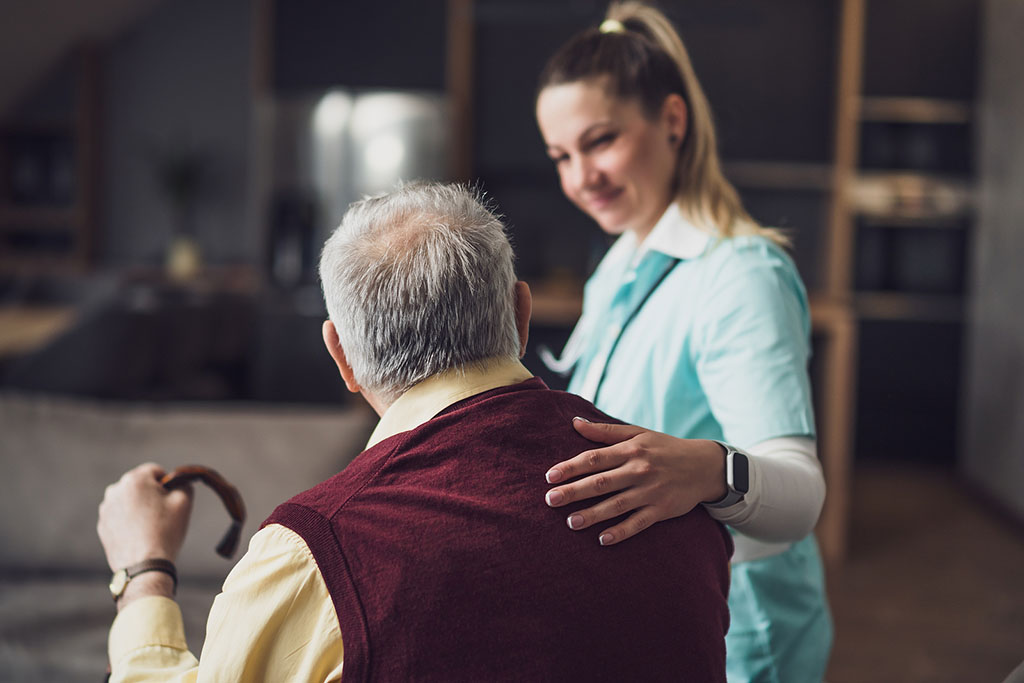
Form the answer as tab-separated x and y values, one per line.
786	493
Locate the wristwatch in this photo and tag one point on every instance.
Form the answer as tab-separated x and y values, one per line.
119	581
737	477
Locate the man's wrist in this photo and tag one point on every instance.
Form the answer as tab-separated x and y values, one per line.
148	584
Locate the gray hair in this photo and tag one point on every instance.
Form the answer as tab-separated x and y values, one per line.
418	281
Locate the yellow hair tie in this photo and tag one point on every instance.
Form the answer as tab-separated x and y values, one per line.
612	26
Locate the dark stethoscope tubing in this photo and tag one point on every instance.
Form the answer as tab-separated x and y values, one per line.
629	319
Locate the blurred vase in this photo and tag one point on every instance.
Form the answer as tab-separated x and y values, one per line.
183	259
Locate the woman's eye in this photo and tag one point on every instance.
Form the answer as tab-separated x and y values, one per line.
603	139
557	159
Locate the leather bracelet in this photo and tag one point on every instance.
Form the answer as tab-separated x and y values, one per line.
119	582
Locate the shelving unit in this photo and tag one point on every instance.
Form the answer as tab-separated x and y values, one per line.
902	207
900	203
48	179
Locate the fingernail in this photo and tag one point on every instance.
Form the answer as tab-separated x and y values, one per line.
553	476
575	521
554	497
581	419
605	539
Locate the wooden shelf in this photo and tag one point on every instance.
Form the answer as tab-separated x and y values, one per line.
915	110
74	222
909	306
910	196
827	311
242	279
556	306
32	264
43	217
911	221
563	306
779	175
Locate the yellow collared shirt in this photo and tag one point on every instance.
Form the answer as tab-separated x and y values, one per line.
274	619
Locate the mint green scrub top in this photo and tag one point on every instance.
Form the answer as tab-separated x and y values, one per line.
708	338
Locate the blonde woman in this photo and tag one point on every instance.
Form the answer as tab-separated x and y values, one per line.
696	328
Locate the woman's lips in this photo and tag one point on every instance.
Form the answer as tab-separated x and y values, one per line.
603	199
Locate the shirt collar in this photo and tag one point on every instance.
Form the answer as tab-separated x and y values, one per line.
674	235
428	398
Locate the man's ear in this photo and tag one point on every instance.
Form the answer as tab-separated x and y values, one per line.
524	307
333	344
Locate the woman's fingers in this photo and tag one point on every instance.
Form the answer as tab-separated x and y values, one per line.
589	462
605	433
598	459
643	516
617	505
599	484
647	477
631	526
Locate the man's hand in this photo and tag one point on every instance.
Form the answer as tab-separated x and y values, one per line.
652	475
140	520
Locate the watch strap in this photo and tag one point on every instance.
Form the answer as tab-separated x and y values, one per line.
152	565
732	494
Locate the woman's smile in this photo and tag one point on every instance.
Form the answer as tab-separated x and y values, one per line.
615	162
600	200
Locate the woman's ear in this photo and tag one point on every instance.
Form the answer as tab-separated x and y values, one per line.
675	118
333	344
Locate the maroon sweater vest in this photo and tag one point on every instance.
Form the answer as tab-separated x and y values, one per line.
445	564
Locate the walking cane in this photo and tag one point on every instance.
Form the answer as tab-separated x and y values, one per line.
228	494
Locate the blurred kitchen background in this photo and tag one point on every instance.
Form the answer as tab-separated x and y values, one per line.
170	168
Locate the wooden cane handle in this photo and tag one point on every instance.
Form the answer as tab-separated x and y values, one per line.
228	494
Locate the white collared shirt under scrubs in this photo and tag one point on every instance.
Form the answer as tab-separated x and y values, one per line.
709	338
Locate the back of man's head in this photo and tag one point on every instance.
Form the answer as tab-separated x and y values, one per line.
419	281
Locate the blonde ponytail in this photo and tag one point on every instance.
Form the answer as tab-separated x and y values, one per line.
643	57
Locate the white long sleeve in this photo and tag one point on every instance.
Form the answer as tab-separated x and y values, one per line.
787	490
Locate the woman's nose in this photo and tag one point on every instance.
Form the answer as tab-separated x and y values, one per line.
584	174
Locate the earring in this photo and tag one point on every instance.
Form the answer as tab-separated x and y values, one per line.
673	139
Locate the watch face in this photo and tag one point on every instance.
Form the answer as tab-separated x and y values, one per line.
118	582
740	473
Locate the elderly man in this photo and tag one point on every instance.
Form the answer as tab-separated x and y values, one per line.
432	556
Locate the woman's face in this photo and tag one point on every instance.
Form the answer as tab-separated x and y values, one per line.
616	164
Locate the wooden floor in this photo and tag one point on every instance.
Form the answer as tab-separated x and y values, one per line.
934	586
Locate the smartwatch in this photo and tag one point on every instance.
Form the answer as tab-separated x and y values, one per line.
737	477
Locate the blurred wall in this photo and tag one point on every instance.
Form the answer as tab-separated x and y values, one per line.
179	82
992	455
